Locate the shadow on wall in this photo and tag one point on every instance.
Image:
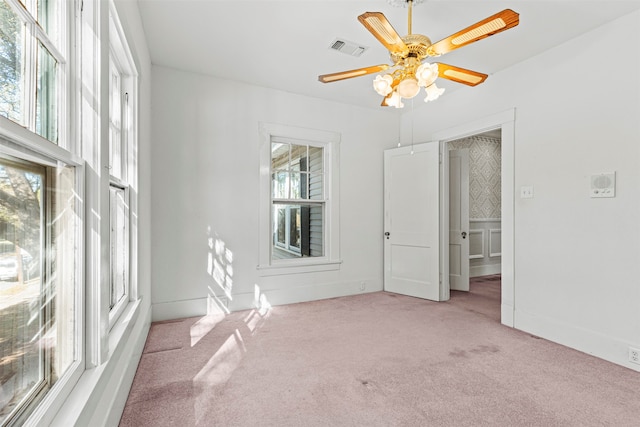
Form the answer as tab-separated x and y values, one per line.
220	268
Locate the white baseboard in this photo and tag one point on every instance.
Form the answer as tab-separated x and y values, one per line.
246	301
484	270
178	309
586	341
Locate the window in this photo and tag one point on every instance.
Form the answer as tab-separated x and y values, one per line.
299	196
32	69
122	168
39	226
297	176
52	211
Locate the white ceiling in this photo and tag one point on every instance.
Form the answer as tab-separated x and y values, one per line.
285	44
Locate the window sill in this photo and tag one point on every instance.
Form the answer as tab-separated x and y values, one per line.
297	267
123	325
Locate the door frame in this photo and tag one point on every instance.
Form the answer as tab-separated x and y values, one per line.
505	121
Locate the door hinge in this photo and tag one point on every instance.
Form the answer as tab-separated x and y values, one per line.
440	158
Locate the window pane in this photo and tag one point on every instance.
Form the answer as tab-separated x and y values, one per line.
11	65
280	181
21	286
280	229
47	17
295	185
46	96
279	156
119	246
299	157
298	231
316	230
294	228
315	160
115	122
316	186
37	285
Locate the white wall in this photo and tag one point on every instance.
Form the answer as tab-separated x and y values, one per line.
576	258
205	171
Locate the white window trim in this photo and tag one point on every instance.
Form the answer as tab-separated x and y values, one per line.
121	52
331	144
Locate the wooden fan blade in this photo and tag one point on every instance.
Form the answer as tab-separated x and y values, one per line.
460	75
495	24
328	78
380	27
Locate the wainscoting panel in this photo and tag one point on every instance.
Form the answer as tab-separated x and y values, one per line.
476	244
485	246
495	242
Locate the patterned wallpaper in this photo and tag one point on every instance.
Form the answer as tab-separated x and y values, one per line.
484	175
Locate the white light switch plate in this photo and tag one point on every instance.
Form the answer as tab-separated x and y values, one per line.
526	192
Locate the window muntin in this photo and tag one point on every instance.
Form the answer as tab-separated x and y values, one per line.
39	226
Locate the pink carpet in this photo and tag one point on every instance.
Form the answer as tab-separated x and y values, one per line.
373	360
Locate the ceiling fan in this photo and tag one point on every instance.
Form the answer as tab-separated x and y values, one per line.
409	72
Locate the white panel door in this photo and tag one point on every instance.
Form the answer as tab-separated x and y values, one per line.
459	220
412	221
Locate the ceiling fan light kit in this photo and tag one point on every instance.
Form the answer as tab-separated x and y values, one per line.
409	71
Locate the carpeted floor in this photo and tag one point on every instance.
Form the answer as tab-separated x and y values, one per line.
375	359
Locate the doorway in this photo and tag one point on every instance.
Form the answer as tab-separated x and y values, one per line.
504	123
483	197
475	216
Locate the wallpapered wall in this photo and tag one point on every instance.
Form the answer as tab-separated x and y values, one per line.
484	175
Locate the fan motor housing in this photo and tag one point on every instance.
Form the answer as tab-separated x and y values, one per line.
418	46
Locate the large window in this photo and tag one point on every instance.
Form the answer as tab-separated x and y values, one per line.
299	197
297	176
38	296
55	203
122	166
32	64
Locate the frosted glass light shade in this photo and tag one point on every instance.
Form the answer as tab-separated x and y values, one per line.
382	84
395	100
408	88
433	92
427	74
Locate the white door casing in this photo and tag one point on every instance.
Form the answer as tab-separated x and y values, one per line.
459	220
504	120
412	221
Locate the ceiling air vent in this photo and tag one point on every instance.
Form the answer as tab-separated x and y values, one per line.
350	48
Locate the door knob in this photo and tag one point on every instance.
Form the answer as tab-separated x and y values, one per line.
387	234
464	234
